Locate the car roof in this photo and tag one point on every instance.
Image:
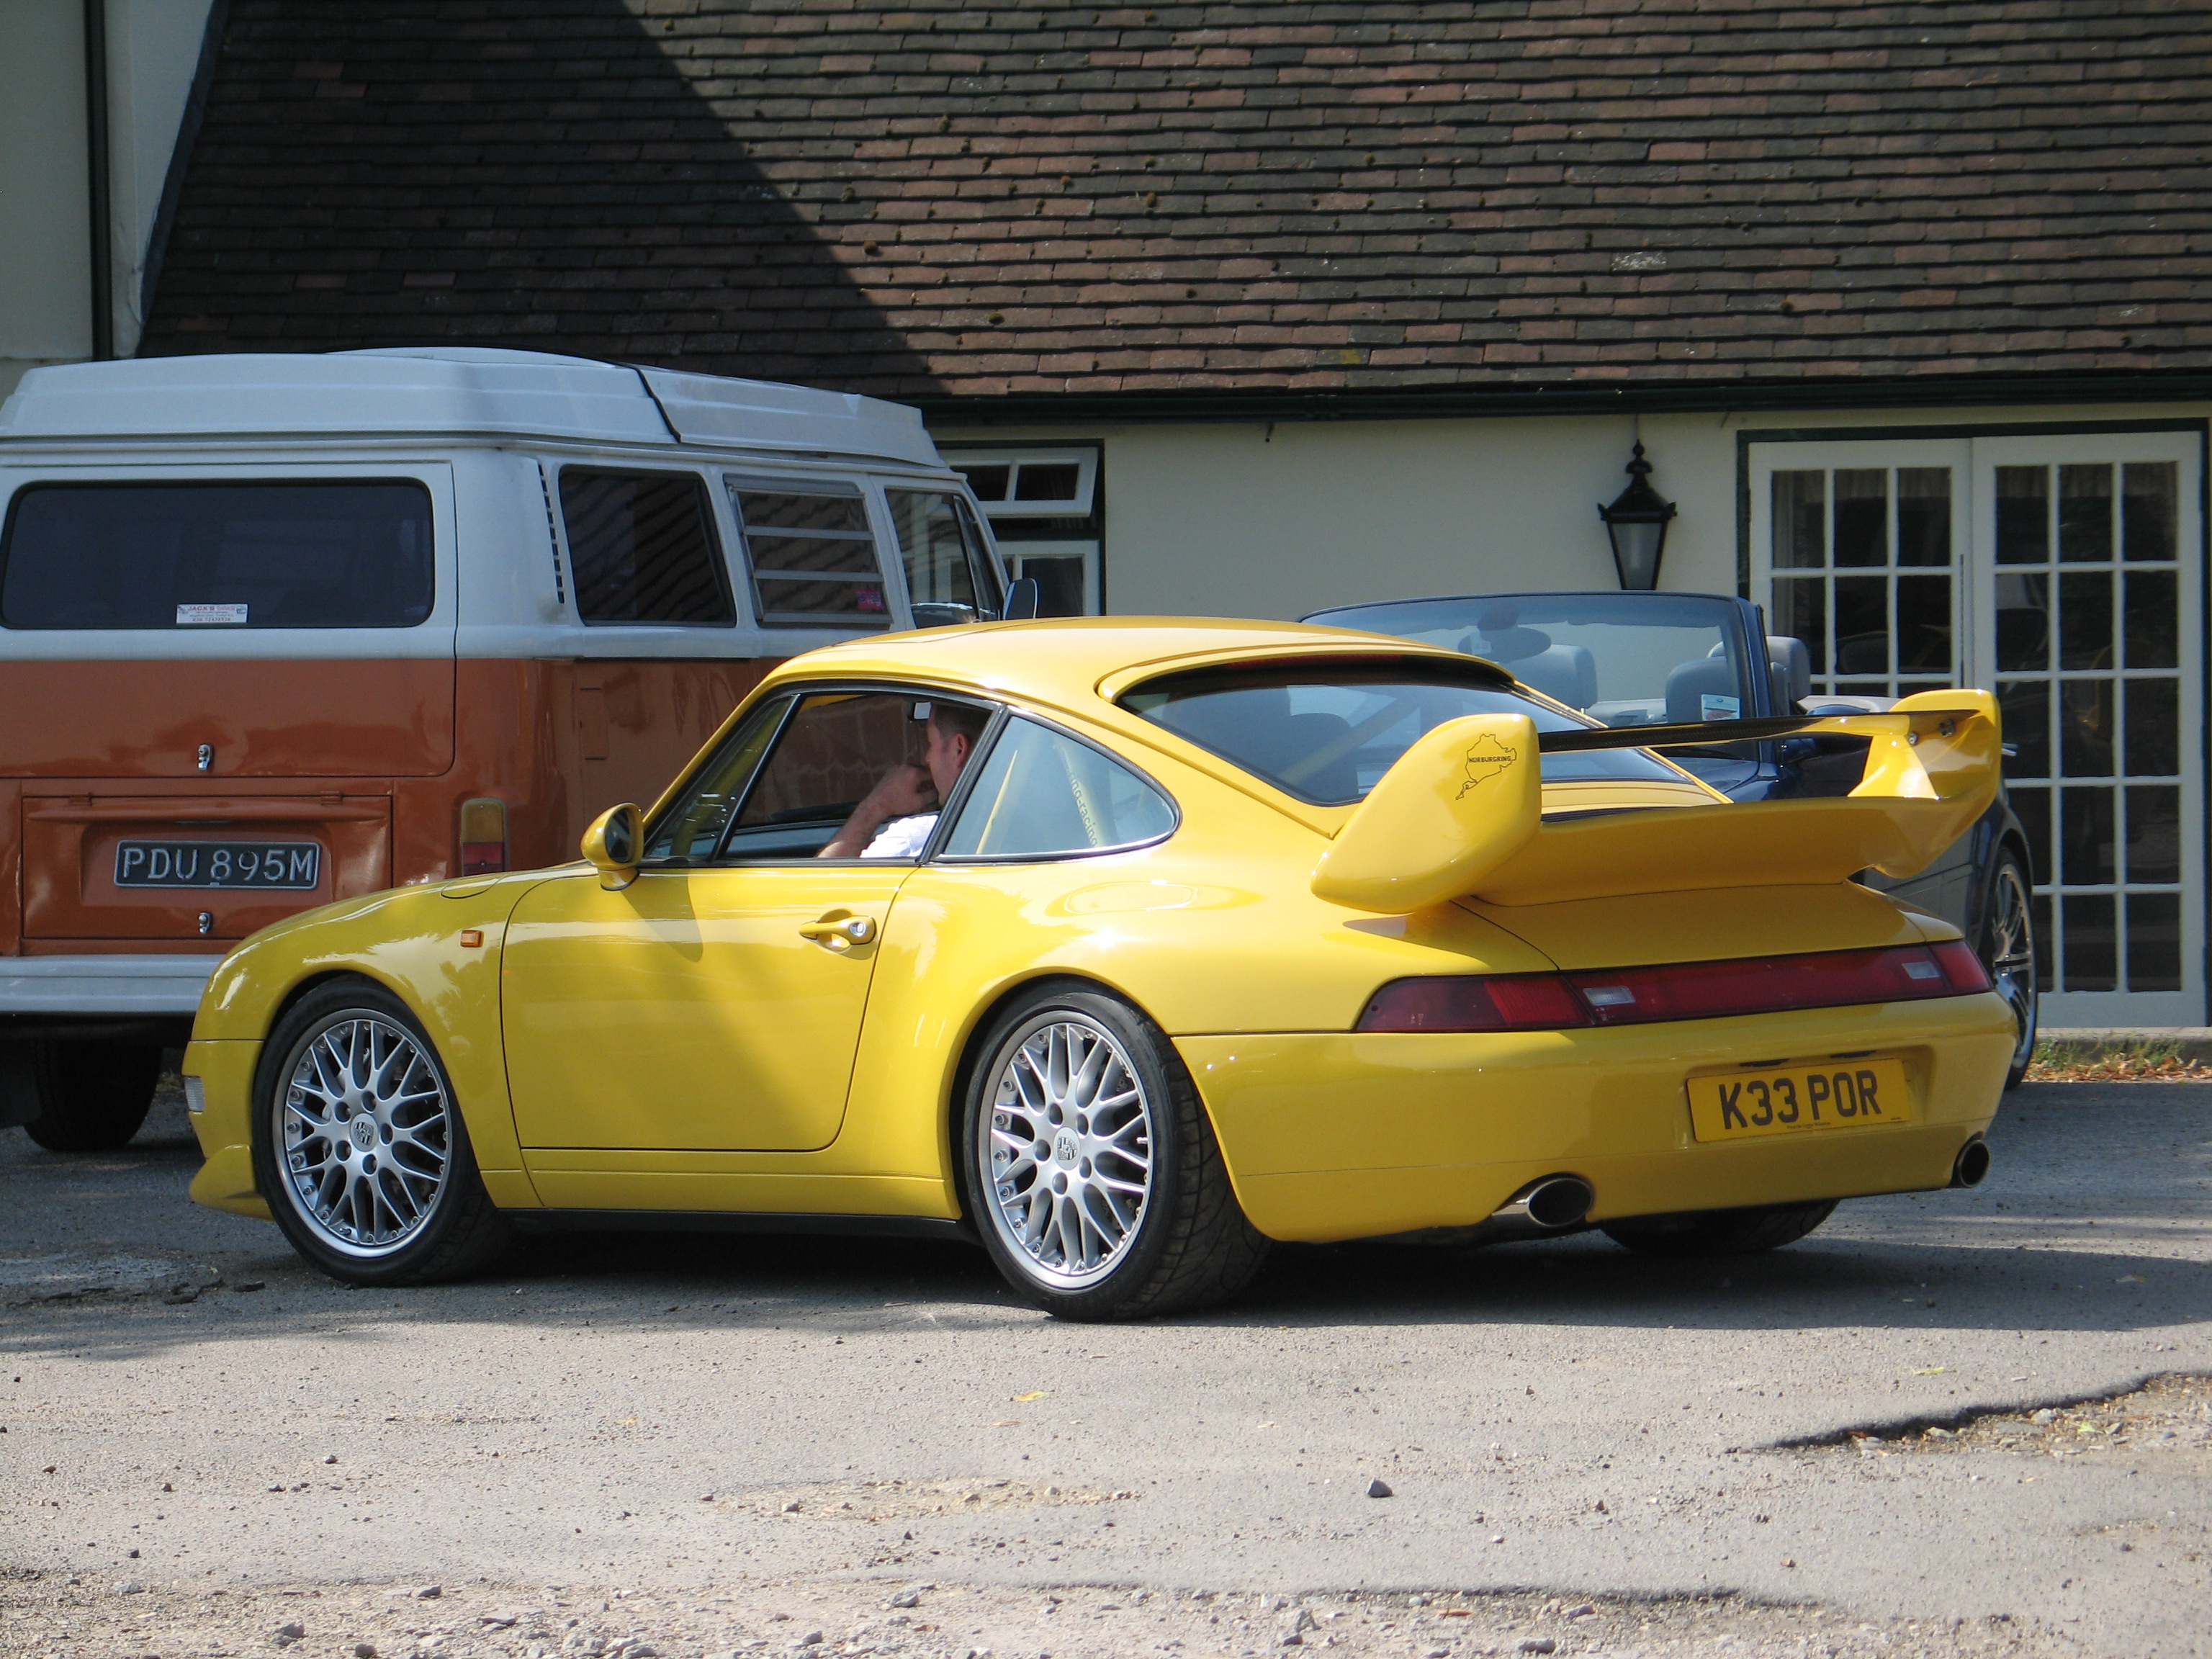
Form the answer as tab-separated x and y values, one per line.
1080	662
458	390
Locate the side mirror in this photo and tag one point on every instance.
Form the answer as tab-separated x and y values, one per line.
1023	596
612	845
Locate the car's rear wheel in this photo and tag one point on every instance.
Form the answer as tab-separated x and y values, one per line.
2007	948
359	1145
92	1097
1090	1169
1720	1233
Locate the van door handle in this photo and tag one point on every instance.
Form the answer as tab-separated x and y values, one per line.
838	932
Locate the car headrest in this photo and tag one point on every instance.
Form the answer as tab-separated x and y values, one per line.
1704	690
1791	665
1567	672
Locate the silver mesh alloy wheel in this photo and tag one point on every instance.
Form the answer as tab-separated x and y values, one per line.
1067	1150
2011	960
367	1134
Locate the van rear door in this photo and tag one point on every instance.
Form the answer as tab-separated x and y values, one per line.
218	674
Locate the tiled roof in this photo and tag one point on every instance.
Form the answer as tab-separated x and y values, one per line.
944	199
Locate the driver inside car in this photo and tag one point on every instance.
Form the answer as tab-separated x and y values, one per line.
895	818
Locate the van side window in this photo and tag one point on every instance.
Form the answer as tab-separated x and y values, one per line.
812	557
335	553
946	565
642	545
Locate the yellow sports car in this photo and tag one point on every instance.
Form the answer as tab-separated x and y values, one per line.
1127	947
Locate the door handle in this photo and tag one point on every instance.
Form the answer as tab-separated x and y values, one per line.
838	932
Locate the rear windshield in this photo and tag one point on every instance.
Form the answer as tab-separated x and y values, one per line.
1328	734
341	553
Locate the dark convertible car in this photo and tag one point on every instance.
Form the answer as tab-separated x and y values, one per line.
1650	658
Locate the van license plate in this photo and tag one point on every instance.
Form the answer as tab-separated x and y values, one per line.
1841	1094
280	864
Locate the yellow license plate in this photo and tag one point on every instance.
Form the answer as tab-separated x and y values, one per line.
1781	1100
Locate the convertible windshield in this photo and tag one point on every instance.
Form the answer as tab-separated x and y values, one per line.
1625	660
1326	734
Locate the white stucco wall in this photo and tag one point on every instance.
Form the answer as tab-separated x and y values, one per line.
46	305
152	49
1230	520
46	272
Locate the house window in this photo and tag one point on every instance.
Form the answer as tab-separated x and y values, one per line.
1864	574
2064	574
1046	509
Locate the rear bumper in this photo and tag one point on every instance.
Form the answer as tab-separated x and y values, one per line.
1341	1135
104	987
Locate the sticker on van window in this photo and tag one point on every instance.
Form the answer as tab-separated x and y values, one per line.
189	616
1710	708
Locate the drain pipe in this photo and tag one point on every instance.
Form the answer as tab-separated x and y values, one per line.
98	179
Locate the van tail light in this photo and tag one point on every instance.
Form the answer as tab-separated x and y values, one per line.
483	837
1685	990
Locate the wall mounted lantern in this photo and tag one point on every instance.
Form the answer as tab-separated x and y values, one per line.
1637	525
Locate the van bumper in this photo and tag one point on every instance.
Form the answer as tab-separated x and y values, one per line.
105	987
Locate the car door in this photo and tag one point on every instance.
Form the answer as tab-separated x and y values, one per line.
714	1004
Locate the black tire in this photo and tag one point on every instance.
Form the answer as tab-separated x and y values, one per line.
2006	944
92	1097
331	1189
1183	1244
1719	1232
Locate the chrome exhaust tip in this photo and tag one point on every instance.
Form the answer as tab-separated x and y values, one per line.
1972	1167
1547	1205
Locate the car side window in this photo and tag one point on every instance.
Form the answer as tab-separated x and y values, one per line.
692	831
1043	795
643	548
812	554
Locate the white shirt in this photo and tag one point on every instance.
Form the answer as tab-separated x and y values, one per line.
902	838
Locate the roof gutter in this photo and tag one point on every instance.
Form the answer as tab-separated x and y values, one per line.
1445	403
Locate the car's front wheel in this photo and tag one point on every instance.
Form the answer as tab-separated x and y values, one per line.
360	1148
1091	1167
1720	1233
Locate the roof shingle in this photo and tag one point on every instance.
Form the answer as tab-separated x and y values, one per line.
941	198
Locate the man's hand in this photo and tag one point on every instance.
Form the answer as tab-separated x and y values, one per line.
900	792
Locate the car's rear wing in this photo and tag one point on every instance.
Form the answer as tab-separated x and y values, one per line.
1460	815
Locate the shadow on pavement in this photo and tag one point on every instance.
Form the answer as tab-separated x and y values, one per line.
2058	1241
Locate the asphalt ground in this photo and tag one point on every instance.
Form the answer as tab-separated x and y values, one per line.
666	1442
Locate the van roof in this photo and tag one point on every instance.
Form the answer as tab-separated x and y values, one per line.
408	391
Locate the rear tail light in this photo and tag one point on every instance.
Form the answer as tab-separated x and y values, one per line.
1962	967
1500	1002
1688	990
483	837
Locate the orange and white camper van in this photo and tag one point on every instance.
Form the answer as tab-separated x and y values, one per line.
276	630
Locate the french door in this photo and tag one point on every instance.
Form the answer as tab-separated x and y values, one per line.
2064	574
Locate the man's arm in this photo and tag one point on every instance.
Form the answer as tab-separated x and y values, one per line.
900	791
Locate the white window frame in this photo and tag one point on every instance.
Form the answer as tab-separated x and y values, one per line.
1975	455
